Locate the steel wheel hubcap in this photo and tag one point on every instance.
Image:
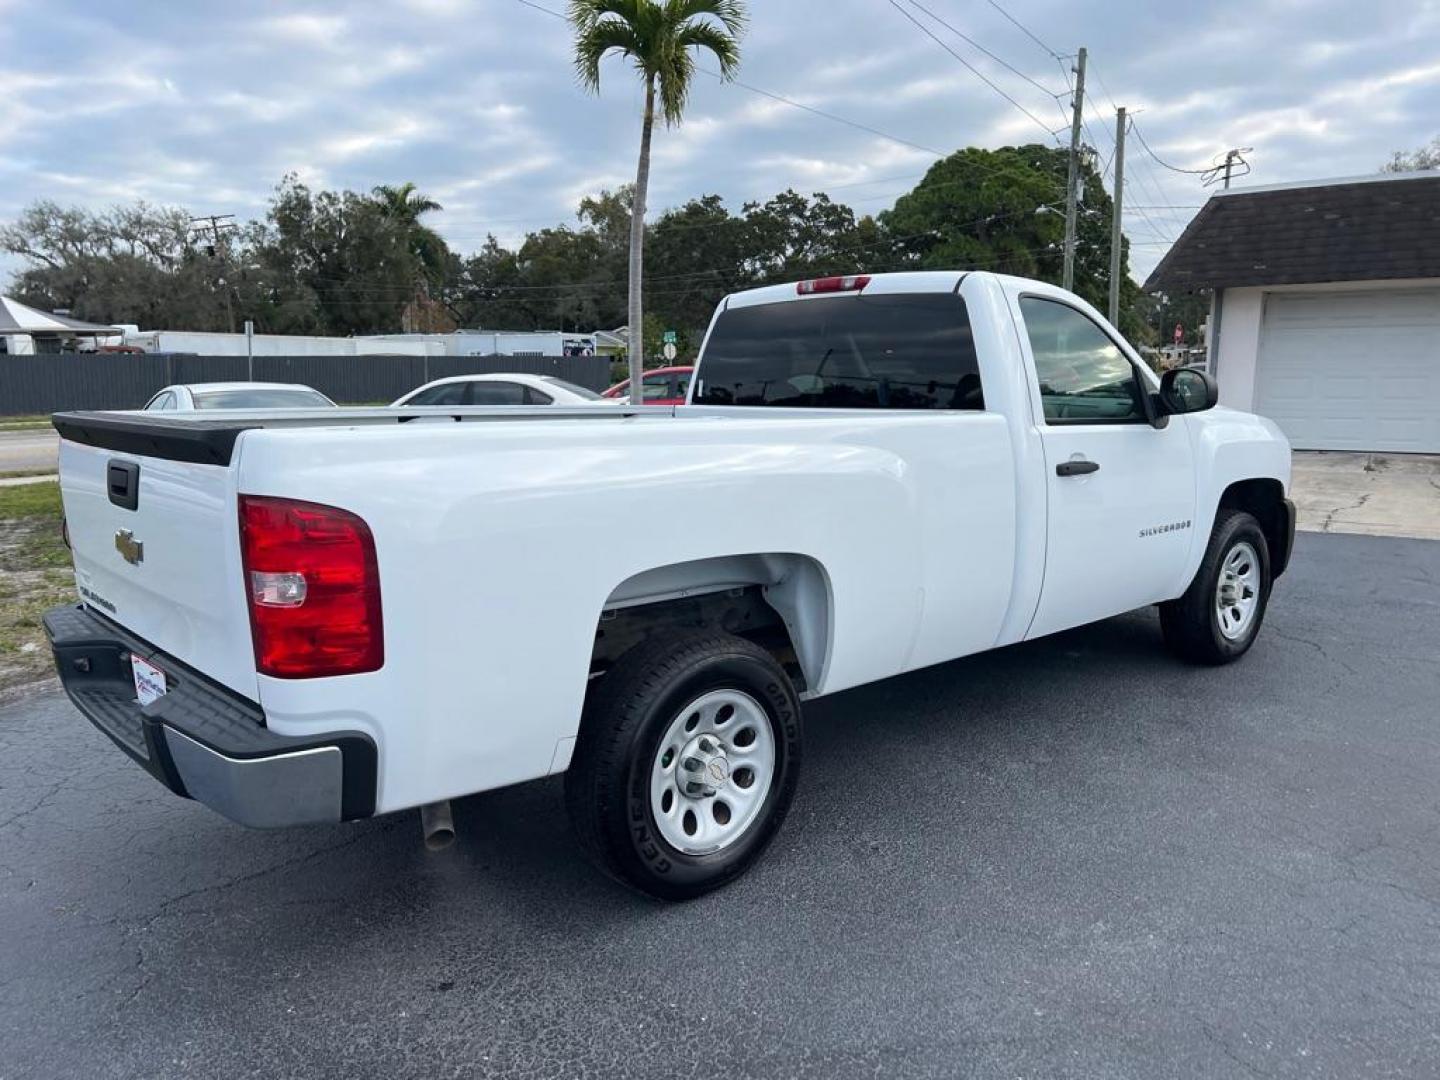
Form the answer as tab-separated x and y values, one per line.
712	771
1237	593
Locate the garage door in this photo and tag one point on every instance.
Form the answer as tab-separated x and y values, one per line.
1352	370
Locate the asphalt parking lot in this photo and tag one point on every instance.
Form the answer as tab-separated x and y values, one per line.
1070	858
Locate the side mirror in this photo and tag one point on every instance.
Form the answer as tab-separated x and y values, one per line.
1187	390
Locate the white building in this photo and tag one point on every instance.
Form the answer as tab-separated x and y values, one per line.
461	343
25	330
1326	306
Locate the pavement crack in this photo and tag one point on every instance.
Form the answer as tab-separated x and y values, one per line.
1330	514
1229	1052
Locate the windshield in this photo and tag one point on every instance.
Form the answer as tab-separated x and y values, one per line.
578	391
267	398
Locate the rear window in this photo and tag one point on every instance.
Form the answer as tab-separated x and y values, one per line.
578	391
844	352
261	399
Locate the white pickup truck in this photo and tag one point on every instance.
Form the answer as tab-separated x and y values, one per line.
308	617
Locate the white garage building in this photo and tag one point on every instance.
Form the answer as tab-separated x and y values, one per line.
1325	314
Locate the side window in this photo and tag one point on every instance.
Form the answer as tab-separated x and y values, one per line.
497	393
682	383
537	397
1084	377
161	401
887	351
445	394
657	387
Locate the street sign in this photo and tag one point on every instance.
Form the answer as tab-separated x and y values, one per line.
671	337
669	351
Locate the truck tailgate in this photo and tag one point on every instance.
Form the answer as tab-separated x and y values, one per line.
157	550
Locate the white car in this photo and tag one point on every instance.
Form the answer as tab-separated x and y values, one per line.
501	389
302	619
237	395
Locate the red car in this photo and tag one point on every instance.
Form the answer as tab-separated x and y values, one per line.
663	386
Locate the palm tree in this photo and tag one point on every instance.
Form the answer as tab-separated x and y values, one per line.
403	205
405	202
657	36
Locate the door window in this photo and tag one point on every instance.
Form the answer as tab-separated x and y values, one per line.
497	393
1084	377
444	394
537	397
682	383
657	388
162	401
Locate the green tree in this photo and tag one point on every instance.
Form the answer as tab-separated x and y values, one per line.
657	36
791	236
697	253
404	205
1004	210
330	262
132	264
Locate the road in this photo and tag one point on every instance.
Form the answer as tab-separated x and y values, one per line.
29	450
1072	858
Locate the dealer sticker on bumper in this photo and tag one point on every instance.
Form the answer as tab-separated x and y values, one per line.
149	681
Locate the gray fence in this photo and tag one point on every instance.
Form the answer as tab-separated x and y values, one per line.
56	382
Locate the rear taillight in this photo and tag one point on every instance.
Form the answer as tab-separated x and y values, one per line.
853	283
313	588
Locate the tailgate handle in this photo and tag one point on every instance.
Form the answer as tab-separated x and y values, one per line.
122	480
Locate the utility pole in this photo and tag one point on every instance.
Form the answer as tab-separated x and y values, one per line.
1073	180
1117	231
218	223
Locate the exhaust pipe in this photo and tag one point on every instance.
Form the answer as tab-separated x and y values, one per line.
438	825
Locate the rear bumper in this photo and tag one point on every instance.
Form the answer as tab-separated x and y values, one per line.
203	741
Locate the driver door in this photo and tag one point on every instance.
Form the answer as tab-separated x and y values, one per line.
1120	492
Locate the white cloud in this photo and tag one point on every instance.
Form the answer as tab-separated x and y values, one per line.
209	106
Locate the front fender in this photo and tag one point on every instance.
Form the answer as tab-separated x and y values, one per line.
1230	447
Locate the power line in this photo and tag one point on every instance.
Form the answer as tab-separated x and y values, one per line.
975	44
1160	161
822	113
973	69
1026	31
781	98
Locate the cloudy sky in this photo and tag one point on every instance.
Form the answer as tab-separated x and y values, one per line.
206	105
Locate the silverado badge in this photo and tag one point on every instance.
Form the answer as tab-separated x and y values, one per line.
131	550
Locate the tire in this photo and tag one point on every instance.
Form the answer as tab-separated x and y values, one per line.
1199	626
675	692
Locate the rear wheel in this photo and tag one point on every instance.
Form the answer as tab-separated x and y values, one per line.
1218	617
686	763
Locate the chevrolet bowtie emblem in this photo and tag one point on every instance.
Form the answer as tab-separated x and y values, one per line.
131	550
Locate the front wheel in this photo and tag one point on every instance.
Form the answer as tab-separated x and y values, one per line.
686	762
1218	617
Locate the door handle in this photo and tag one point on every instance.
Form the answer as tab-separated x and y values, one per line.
1077	468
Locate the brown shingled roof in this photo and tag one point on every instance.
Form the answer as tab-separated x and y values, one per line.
1356	230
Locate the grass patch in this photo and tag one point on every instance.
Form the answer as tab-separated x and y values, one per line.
18	474
27	501
35	576
24	423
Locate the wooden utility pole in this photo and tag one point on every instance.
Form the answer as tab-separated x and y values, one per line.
1117	229
1072	183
